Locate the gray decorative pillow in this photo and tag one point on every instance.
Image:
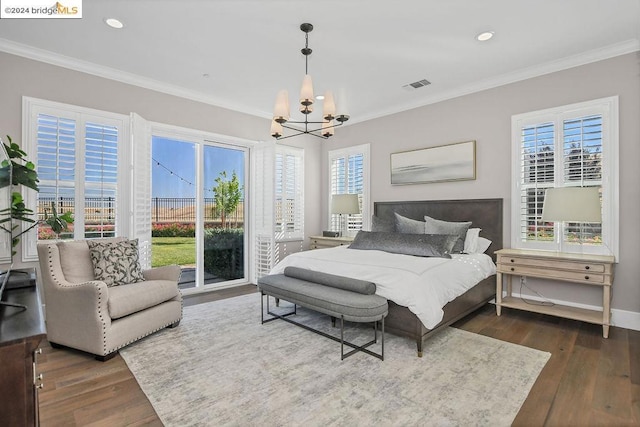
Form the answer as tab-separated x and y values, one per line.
116	263
425	245
408	225
385	225
458	229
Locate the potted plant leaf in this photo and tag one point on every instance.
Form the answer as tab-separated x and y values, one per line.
58	223
16	170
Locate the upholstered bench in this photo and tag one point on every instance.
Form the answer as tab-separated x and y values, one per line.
340	297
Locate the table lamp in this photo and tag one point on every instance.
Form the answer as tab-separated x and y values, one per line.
572	204
342	204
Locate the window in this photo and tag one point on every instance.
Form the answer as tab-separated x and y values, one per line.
289	201
349	174
77	152
570	146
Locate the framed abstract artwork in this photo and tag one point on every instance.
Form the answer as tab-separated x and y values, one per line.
451	162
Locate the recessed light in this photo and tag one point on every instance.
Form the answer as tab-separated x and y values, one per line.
483	37
114	23
319	97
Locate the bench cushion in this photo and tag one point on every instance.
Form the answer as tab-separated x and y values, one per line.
355	307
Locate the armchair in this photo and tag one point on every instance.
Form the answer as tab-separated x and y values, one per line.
83	313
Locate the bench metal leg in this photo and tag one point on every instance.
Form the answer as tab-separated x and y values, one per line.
363	348
274	315
356	348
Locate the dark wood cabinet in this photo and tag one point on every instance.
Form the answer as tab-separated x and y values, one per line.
21	332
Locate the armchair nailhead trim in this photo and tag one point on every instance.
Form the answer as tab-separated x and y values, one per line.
142	336
60	283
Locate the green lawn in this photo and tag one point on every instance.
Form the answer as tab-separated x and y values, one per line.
173	250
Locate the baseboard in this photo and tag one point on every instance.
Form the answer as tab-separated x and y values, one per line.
619	318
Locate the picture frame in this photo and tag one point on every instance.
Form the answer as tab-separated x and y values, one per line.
449	162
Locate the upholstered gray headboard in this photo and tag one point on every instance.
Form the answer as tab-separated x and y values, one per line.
483	213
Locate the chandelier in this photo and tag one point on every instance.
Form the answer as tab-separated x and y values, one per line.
281	113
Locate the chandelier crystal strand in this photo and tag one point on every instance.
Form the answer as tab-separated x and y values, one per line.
281	112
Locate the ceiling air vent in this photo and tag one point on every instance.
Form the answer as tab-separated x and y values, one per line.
416	85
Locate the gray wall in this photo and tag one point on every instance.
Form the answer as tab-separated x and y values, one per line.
23	77
486	117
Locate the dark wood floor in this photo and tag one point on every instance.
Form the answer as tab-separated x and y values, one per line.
588	380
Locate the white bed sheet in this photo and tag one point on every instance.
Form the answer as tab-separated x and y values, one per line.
424	285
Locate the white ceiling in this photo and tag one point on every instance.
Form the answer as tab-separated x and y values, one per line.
367	49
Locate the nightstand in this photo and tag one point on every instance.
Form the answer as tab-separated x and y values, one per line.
320	242
596	270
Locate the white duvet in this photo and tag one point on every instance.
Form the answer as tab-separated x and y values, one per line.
422	284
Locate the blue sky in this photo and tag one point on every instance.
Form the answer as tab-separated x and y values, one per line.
176	174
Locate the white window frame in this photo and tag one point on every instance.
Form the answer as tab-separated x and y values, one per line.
363	149
201	139
297	233
31	108
608	109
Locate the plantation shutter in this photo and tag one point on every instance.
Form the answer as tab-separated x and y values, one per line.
54	141
537	173
101	179
289	188
348	174
582	166
571	146
141	188
262	159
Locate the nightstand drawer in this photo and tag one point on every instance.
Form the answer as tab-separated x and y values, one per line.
317	242
552	264
574	276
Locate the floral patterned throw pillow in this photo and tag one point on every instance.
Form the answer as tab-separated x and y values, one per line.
116	263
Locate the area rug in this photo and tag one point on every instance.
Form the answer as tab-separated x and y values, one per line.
222	367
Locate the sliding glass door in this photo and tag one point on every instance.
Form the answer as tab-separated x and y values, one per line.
173	206
197	206
224	216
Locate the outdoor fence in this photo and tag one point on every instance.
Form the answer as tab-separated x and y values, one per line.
102	210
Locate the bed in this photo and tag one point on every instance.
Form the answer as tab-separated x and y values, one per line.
483	213
399	276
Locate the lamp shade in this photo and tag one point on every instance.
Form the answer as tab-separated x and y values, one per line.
276	128
327	128
328	106
306	93
281	108
572	204
345	204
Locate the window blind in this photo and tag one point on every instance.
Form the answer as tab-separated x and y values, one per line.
289	190
570	146
348	174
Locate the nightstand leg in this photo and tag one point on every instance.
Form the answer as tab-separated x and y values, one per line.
498	293
606	310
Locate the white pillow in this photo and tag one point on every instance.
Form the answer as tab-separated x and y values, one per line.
471	240
483	245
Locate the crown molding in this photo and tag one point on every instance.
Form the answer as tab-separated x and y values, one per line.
595	55
52	58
